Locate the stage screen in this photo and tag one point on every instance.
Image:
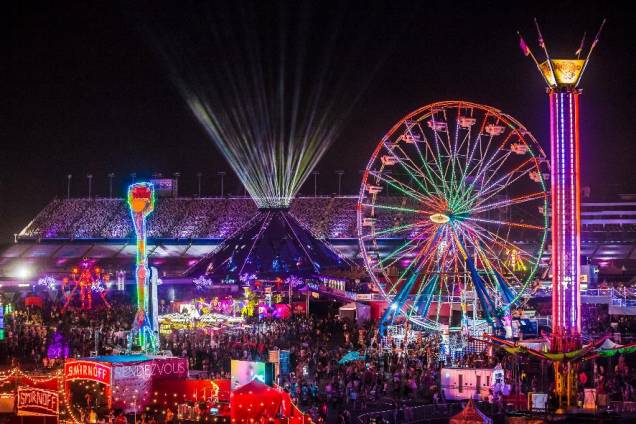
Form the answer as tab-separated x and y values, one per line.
243	372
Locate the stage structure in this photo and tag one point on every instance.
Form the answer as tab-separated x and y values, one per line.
456	184
562	77
141	200
271	245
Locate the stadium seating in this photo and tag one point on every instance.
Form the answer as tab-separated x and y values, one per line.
183	218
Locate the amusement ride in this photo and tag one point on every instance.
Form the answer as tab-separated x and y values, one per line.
455	185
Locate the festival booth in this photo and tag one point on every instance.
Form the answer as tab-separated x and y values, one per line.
471	383
126	382
32	398
189	321
90	388
258	402
356	312
192	400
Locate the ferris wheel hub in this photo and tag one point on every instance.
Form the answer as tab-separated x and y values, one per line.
439	218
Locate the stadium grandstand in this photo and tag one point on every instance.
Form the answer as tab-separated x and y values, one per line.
184	230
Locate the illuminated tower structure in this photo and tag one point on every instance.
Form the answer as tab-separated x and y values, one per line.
566	227
141	200
562	77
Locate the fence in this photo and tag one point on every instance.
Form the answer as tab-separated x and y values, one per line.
411	414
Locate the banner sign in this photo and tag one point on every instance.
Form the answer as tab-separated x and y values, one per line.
284	362
156	369
164	187
137	378
34	401
87	370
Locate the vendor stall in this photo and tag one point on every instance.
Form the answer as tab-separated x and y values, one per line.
471	383
356	312
31	395
186	321
124	382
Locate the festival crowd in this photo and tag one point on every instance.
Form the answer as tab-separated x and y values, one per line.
389	376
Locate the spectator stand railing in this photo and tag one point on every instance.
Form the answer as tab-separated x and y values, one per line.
411	414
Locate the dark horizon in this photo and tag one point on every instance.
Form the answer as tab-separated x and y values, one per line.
86	94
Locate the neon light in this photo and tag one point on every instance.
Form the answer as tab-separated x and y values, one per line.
565	212
83	281
445	200
141	200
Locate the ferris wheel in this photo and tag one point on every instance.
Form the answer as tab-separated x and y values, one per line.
452	215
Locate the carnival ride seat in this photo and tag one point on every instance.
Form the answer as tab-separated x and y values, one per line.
494	130
518	148
466	121
410	138
372	189
389	160
437	126
368	222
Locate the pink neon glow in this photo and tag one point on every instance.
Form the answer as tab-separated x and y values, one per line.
564	140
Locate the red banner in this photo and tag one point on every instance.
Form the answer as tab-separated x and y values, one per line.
87	370
33	401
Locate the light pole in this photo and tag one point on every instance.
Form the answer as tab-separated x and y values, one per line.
315	174
110	184
339	173
68	186
90	184
199	175
222	175
133	176
176	176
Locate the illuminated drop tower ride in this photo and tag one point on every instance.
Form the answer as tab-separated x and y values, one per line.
562	77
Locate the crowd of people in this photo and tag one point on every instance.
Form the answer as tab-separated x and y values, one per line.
184	218
390	373
39	338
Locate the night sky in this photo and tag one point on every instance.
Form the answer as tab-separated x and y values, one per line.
83	92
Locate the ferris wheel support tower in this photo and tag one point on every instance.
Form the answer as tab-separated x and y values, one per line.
562	77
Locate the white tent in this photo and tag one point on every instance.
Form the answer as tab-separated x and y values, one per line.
358	312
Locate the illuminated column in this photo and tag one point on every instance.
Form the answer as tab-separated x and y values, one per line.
565	183
562	77
141	200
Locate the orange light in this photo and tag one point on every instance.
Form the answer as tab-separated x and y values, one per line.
439	218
